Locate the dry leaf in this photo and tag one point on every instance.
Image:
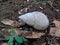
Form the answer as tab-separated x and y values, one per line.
13	23
7	21
23	11
4	44
57	33
52	31
24	33
28	34
57	23
35	35
56	30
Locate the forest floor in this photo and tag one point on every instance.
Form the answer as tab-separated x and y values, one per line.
11	9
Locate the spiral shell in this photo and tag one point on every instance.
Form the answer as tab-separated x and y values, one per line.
36	19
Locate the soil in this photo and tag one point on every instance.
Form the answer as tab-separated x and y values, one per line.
10	9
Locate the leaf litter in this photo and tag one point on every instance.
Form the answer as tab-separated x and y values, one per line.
55	31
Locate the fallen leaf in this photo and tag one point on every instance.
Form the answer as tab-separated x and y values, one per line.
28	34
35	35
24	33
56	30
13	23
52	31
7	21
4	44
57	33
57	23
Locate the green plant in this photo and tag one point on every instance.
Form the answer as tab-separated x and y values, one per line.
50	44
15	39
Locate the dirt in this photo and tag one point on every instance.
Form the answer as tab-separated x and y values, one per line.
10	8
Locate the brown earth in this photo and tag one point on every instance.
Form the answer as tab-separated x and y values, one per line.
10	8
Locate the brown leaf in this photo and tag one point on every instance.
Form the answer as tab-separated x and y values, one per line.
57	33
4	44
7	21
52	31
26	34
35	35
13	23
56	30
57	23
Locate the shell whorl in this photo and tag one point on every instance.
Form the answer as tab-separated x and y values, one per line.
36	19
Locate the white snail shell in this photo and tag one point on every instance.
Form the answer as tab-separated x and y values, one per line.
36	19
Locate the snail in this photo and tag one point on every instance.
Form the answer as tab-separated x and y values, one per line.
36	19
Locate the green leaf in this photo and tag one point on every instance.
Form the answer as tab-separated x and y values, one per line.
41	2
7	37
44	3
10	42
24	39
18	39
16	43
13	32
51	44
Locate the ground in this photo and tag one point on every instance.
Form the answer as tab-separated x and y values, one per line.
11	9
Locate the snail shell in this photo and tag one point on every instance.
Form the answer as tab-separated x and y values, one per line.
36	19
